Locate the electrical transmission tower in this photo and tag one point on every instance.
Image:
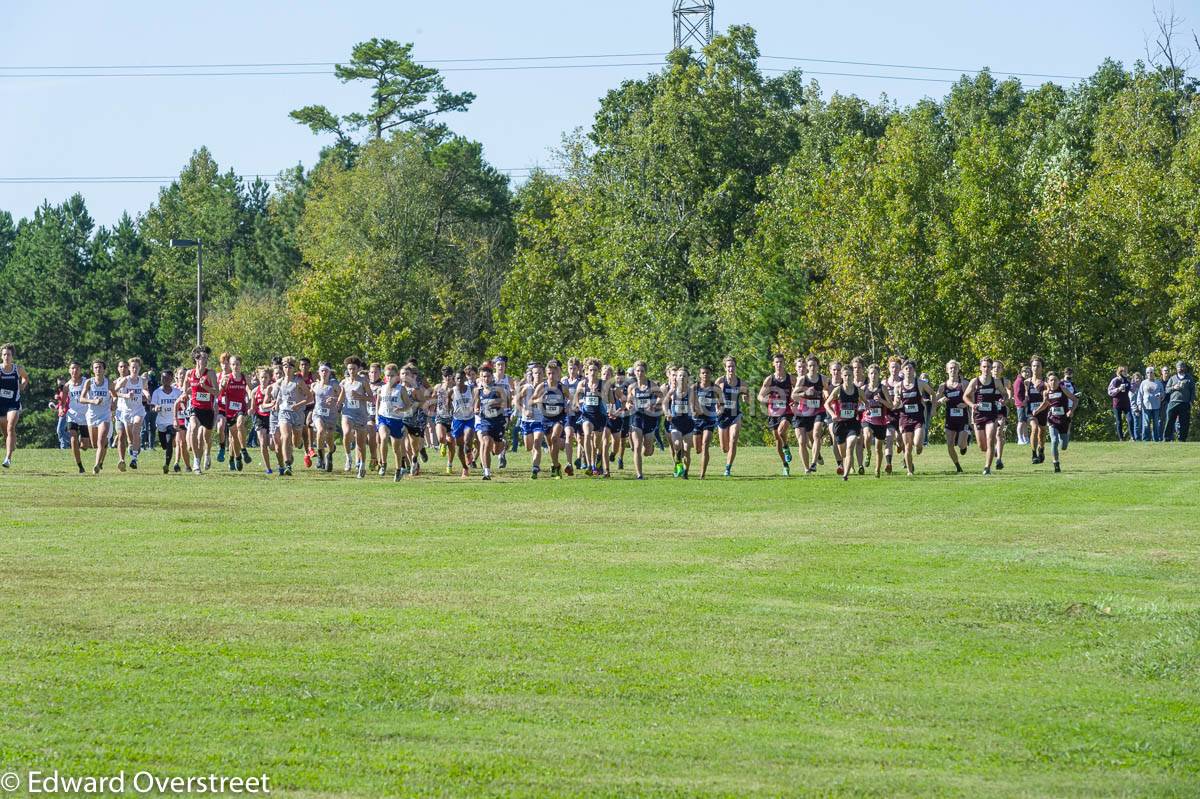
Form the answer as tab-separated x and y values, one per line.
693	23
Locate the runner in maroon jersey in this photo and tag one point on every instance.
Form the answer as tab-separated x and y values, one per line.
843	401
877	402
891	380
858	374
1056	410
983	397
808	400
1004	385
202	392
775	394
1035	390
221	418
908	397
950	394
235	396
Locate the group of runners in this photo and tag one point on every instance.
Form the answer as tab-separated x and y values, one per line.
581	416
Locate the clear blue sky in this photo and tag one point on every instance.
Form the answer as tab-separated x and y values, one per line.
148	126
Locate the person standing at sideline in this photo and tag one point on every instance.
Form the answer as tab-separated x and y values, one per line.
1181	393
1150	396
1135	406
60	403
1118	389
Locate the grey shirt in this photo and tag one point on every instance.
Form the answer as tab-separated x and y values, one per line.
1181	390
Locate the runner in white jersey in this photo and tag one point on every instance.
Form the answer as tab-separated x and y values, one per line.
573	424
163	401
76	413
532	420
293	398
131	397
357	400
325	408
99	397
462	419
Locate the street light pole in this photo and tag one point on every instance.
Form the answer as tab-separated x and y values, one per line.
199	245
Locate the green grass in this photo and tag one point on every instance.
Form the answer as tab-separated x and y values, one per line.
1027	634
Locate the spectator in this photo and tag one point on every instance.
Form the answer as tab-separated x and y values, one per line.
1181	393
1068	380
1150	400
1135	406
61	401
1118	389
1020	392
1165	377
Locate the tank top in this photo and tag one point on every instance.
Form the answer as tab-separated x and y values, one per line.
76	410
591	402
462	403
352	405
441	401
644	398
201	399
10	386
390	400
130	398
779	395
554	402
910	403
260	395
810	401
987	397
874	412
373	405
325	400
954	400
1059	405
236	393
100	391
530	412
1034	391
706	400
733	399
847	409
489	402
287	394
680	406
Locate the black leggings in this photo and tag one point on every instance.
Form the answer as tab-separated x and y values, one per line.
166	440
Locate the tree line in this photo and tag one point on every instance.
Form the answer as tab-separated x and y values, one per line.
709	209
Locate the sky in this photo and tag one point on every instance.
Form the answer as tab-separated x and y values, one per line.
76	127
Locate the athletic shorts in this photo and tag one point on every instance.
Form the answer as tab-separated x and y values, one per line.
531	426
492	428
956	424
684	425
614	423
78	427
443	421
598	420
262	422
843	430
357	420
548	424
880	431
203	417
128	417
644	422
725	422
460	427
394	427
295	418
414	427
805	422
894	420
7	406
909	424
701	424
773	422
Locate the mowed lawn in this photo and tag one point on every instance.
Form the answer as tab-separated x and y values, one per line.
1026	634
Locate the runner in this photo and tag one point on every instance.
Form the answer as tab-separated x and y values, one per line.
293	398
201	389
304	430
708	404
1035	390
503	381
950	393
877	399
912	414
118	426
776	393
679	402
443	417
646	401
1021	401
533	428
729	423
131	394
98	395
1056	410
77	413
183	413
462	423
327	394
843	401
858	374
807	402
262	415
234	397
492	408
983	397
412	415
552	397
13	381
593	397
1004	385
163	401
221	417
892	380
573	424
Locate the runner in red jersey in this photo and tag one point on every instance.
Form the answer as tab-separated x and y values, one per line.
221	420
306	431
877	406
909	398
235	396
202	393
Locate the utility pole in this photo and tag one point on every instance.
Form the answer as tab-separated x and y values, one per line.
199	245
693	23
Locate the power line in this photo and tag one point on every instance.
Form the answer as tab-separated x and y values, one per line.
162	179
335	63
912	66
328	73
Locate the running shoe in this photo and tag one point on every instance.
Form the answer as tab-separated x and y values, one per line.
416	469
678	469
166	468
96	469
349	463
533	473
221	454
820	461
786	471
442	450
728	471
329	464
268	471
839	471
888	468
684	475
1057	468
246	455
621	464
308	458
133	463
640	477
861	470
570	470
846	478
233	464
449	468
207	463
487	475
787	455
383	471
556	472
424	456
362	471
399	476
121	465
999	464
287	470
958	468
504	460
176	468
320	462
6	463
987	472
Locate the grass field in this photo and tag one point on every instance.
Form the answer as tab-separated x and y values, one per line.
1027	634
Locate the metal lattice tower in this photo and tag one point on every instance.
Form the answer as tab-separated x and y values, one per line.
693	23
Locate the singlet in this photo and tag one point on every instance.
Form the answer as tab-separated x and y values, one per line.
733	399
554	402
99	391
810	402
1034	391
164	404
287	394
260	396
236	394
10	386
462	403
201	400
325	400
680	405
645	398
391	400
874	413
353	407
489	402
706	400
779	395
76	410
591	402
1059	404
373	405
441	397
954	400
987	397
130	400
847	409
529	412
571	383
910	403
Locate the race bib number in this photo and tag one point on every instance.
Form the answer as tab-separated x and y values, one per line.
778	406
165	407
812	404
875	413
956	411
551	408
846	413
322	410
911	408
6	393
353	404
985	406
371	408
235	406
680	408
203	396
1058	411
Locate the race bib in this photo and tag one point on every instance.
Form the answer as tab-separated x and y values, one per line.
551	408
1056	395
911	408
371	408
956	411
1058	411
353	404
846	413
875	413
591	401
166	408
235	406
812	404
680	408
6	393
322	410
778	405
203	396
985	406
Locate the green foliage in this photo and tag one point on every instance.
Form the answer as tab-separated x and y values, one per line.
256	326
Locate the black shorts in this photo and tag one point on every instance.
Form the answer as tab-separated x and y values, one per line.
805	423
684	425
880	431
843	430
262	422
8	406
81	429
204	417
773	422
